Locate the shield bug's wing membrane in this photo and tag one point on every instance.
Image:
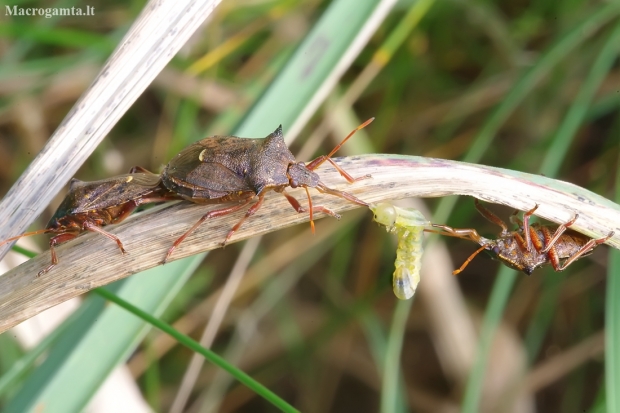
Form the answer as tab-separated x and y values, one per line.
106	193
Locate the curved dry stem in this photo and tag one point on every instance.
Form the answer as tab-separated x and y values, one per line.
91	261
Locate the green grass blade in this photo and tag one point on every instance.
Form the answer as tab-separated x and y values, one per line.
391	397
499	297
19	368
315	60
612	325
530	78
195	346
612	332
100	338
579	109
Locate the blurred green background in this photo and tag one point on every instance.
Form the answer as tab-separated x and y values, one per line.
530	86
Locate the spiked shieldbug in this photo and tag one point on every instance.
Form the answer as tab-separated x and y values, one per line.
530	246
222	169
89	206
409	225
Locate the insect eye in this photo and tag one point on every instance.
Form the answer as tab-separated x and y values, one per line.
495	250
294	183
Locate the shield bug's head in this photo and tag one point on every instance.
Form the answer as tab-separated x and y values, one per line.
300	176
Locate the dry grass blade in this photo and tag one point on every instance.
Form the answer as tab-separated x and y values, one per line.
159	32
91	261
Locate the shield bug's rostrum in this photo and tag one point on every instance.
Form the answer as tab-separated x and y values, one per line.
89	206
529	246
222	169
409	225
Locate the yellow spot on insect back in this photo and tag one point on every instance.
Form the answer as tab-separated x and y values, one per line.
201	157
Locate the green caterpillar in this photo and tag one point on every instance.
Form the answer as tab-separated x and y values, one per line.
408	224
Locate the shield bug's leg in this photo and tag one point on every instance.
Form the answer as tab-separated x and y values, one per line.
294	203
322	188
587	247
526	227
163	198
210	214
558	233
58	239
464	233
468	260
311	213
491	217
313	208
552	254
344	173
326	210
248	214
315	163
514	219
94	228
319	208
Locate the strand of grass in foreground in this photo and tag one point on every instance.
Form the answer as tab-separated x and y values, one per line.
391	362
612	325
612	333
25	363
578	110
499	297
24	251
195	346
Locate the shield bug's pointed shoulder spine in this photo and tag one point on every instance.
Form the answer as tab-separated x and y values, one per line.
270	162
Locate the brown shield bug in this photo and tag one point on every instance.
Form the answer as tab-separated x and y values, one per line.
530	246
223	169
91	205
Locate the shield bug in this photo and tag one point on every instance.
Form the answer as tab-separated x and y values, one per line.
409	225
222	169
529	246
91	205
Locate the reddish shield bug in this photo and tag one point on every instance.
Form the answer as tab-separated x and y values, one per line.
530	246
91	205
222	169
